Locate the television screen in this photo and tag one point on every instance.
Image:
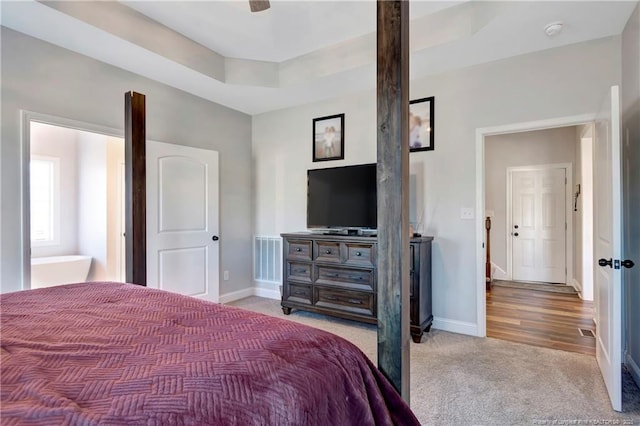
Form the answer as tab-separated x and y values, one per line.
342	197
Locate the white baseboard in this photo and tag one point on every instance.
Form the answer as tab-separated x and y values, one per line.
266	293
576	285
454	326
261	289
236	295
497	273
633	367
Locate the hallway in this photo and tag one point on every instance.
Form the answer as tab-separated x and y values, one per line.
539	318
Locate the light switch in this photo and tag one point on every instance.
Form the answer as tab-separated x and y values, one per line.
466	213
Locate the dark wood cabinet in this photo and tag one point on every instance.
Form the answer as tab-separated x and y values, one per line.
336	275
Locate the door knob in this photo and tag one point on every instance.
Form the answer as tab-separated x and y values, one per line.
627	263
515	226
515	234
215	238
605	262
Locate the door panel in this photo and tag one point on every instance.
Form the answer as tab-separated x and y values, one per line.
538	225
182	218
182	179
607	235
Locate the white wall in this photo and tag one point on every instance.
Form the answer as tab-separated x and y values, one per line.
630	101
115	208
551	146
46	79
60	142
544	85
92	202
583	217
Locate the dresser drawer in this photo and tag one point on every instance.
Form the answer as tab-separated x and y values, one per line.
327	251
355	279
354	302
361	254
297	271
299	249
299	293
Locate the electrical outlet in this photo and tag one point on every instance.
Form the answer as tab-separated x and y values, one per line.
225	275
466	213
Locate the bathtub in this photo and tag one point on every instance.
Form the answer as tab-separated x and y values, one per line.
48	271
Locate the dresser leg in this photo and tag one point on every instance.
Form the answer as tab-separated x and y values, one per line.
416	337
286	310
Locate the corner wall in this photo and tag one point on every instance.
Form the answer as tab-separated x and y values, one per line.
46	79
515	90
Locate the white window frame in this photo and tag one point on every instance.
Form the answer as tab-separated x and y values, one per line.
55	201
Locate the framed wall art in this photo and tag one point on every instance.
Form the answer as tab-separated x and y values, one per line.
421	132
328	138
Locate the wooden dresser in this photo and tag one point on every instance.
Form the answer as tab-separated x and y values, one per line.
336	275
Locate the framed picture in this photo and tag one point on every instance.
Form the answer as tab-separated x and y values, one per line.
421	124
328	138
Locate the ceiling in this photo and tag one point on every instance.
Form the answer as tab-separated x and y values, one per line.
299	51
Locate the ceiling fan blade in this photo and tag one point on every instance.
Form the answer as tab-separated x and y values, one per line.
259	5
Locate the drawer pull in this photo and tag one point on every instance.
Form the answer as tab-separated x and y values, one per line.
300	270
355	301
331	275
331	297
356	277
328	251
358	253
298	249
302	293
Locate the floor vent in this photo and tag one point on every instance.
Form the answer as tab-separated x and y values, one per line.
267	263
585	332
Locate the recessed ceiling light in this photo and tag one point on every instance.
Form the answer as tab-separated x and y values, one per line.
553	28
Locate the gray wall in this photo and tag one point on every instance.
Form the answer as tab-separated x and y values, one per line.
631	163
552	146
43	78
544	85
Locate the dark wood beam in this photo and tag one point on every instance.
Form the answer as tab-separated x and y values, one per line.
135	188
393	192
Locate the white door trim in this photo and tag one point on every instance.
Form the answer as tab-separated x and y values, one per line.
481	133
26	117
568	217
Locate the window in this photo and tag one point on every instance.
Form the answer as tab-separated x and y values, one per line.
45	200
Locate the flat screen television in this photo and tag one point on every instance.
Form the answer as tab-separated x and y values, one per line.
342	197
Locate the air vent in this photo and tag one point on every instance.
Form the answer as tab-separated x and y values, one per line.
585	332
267	263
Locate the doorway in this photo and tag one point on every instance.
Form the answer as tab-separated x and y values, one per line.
528	194
73	199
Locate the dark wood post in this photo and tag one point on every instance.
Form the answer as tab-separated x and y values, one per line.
487	225
135	188
393	192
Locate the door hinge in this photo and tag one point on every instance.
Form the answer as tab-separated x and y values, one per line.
616	264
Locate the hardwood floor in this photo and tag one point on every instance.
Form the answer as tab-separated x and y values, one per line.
540	318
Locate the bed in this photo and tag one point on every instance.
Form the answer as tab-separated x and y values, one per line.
112	353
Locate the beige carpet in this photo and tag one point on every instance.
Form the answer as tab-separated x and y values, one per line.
463	380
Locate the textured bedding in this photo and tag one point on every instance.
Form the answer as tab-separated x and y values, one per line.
111	353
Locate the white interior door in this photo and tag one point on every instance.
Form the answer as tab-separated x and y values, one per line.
608	246
182	220
538	230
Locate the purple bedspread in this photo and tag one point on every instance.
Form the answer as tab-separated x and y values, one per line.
110	353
